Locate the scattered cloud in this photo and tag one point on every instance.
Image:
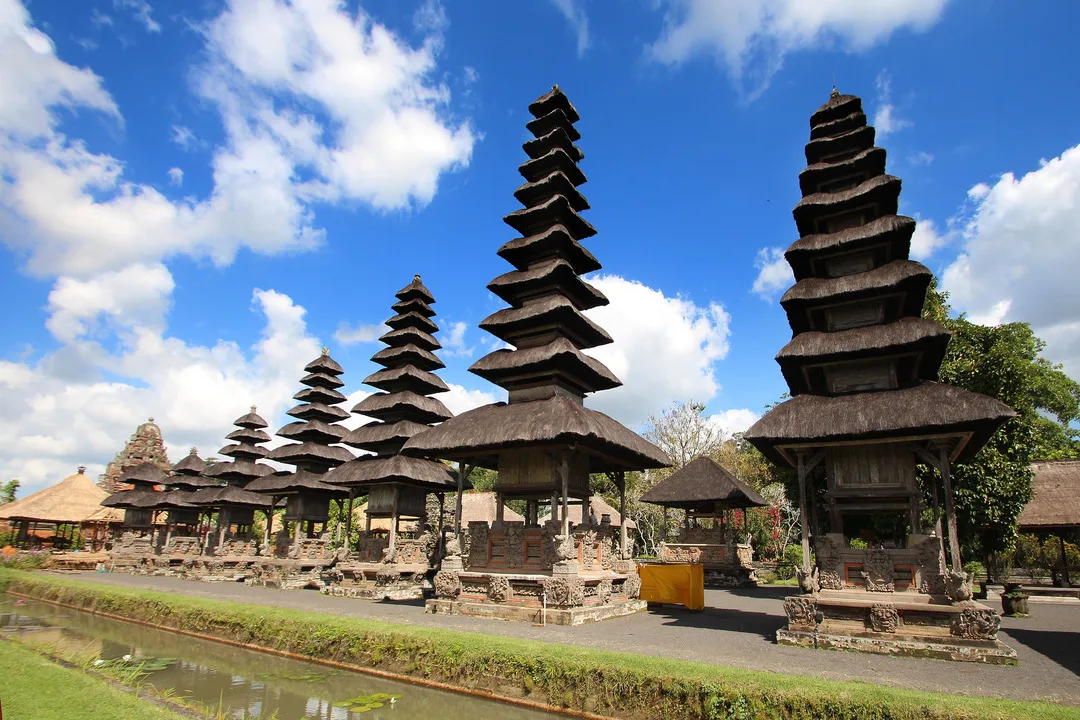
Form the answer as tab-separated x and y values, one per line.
751	38
431	19
354	334
920	158
472	76
141	10
927	239
579	21
1018	259
885	118
453	341
665	348
176	176
774	273
100	19
460	399
183	136
730	422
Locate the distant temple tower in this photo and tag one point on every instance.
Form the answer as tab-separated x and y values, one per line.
866	408
145	445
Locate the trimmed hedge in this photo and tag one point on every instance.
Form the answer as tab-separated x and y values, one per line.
575	678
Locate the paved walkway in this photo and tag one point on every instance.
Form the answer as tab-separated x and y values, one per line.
737	628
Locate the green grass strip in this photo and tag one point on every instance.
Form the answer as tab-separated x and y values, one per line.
599	681
31	686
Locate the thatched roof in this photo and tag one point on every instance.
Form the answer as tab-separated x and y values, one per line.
146	474
555	240
330	455
313	430
406	335
322	379
540	191
558	358
421	408
511	324
923	410
868	162
371	470
835	107
819	148
856	285
408	354
173	500
324	364
415	289
407	378
72	500
192	464
144	499
556	118
291	483
475	507
1055	501
478	435
242	470
106	516
554	100
252	420
703	485
883	190
518	285
318	411
415	305
228	496
892	230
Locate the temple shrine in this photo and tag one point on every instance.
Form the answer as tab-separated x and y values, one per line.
392	564
144	445
543	441
866	408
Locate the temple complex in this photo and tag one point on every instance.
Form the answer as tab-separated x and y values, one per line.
183	518
145	445
708	494
866	408
299	560
544	442
393	564
138	500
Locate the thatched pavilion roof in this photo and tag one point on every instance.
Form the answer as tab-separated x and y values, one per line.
1055	501
293	483
705	486
72	500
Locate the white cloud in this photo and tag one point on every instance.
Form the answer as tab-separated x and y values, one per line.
353	334
579	22
453	340
183	136
460	399
135	296
1020	255
752	37
141	10
774	273
927	240
734	421
920	158
665	348
885	118
472	76
176	176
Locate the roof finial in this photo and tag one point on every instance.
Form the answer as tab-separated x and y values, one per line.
835	93
151	418
195	450
252	408
416	278
555	88
82	469
325	351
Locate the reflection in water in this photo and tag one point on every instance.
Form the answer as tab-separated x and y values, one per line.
259	684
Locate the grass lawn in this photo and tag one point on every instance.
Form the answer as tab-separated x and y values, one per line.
34	688
618	683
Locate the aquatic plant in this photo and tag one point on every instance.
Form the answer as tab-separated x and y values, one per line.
367	703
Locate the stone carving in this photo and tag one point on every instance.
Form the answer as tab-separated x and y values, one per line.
384	577
976	624
931	569
632	586
884	618
680	553
499	589
514	537
564	548
878	568
801	612
603	590
589	549
624	567
145	445
809	582
609	549
958	585
447	584
547	544
453	546
478	544
831	576
565	591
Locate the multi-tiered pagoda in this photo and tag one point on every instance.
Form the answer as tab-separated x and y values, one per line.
314	452
866	408
182	517
544	442
139	501
396	485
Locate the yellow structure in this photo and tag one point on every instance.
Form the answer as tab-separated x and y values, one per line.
674	585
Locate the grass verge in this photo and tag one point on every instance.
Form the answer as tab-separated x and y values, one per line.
583	679
31	686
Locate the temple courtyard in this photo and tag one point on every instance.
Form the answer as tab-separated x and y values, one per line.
737	628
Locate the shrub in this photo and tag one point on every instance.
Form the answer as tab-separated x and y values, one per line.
22	559
791	561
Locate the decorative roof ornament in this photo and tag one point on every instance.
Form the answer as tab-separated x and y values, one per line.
144	445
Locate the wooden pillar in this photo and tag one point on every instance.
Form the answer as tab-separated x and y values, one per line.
802	511
462	472
729	535
555	506
393	519
663	530
950	511
620	481
1064	563
298	536
499	513
348	518
564	472
367	518
269	531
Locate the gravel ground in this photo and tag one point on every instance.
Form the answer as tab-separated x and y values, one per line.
737	628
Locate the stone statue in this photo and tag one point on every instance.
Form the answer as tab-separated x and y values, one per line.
809	581
958	585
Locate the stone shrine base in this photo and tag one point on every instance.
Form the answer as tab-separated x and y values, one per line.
903	624
535	613
379	581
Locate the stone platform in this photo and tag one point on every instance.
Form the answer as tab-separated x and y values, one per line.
905	623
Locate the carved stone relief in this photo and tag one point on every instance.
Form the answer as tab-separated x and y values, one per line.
478	544
801	612
884	618
499	589
514	534
977	624
565	591
878	567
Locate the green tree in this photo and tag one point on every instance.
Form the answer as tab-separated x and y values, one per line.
1004	362
8	490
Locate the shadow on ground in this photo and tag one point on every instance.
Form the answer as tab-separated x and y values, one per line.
763	625
1057	645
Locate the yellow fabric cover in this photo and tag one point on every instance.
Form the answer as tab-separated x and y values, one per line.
674	584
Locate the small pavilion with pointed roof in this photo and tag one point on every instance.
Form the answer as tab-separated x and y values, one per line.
866	408
183	518
394	564
139	503
708	494
69	504
544	442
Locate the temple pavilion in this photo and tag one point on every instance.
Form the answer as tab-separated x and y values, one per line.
708	495
182	516
139	502
393	564
543	441
314	452
866	408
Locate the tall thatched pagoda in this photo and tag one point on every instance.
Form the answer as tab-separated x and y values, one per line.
183	518
866	407
392	564
544	442
135	543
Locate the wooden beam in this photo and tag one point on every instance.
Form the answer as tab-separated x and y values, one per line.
950	511
801	457
620	483
564	473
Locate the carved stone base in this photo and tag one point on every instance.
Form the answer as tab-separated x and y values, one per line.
990	652
533	614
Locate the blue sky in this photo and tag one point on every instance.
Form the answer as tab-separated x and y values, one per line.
194	197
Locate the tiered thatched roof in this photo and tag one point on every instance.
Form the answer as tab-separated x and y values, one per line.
245	451
703	485
544	371
862	361
403	408
188	475
72	500
142	479
1055	500
317	432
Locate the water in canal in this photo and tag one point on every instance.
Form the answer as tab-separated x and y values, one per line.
247	683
